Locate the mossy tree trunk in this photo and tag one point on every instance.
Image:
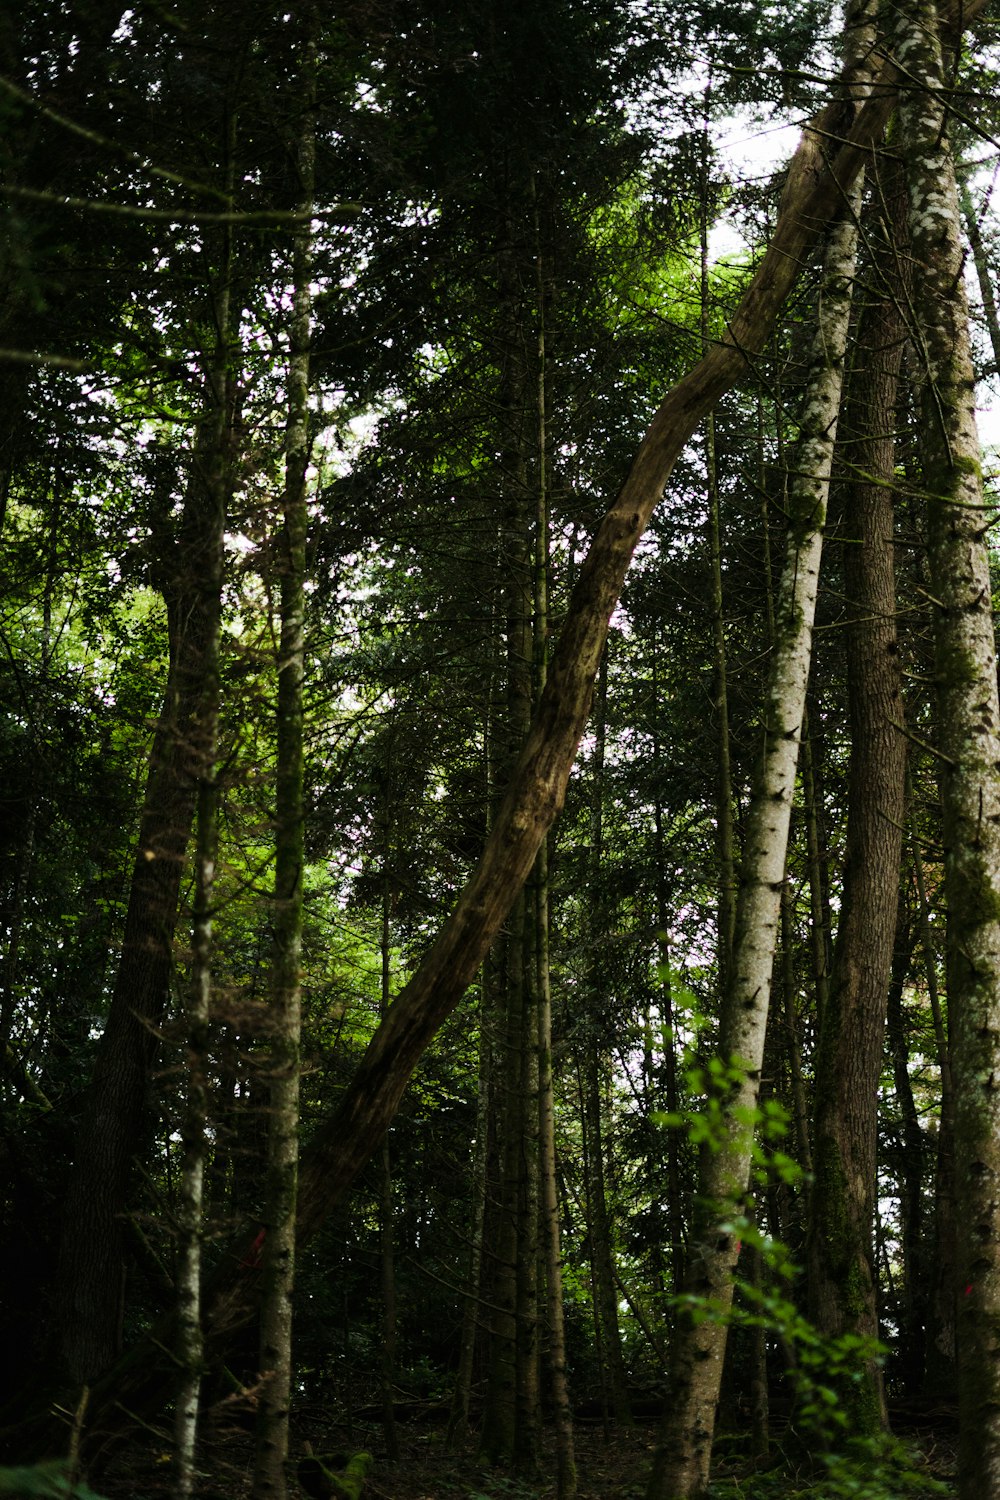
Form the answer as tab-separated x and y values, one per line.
969	728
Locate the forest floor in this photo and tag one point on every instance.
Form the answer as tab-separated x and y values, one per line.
609	1467
608	1470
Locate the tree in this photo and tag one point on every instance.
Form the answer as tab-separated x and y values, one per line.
849	1057
492	215
289	866
969	719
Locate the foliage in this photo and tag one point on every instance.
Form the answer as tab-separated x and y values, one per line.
48	1481
515	285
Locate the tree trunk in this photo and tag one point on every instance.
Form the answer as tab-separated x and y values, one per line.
197	1018
458	1420
387	1265
592	1070
843	1275
551	1252
969	733
88	1302
502	1439
285	1022
665	1002
527	1429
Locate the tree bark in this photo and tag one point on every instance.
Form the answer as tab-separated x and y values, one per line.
502	1438
285	1022
969	733
197	1020
843	1275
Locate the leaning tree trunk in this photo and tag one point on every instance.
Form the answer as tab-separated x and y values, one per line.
681	1463
969	733
848	1066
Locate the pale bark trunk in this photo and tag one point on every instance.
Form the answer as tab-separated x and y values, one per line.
969	734
683	1455
285	1023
